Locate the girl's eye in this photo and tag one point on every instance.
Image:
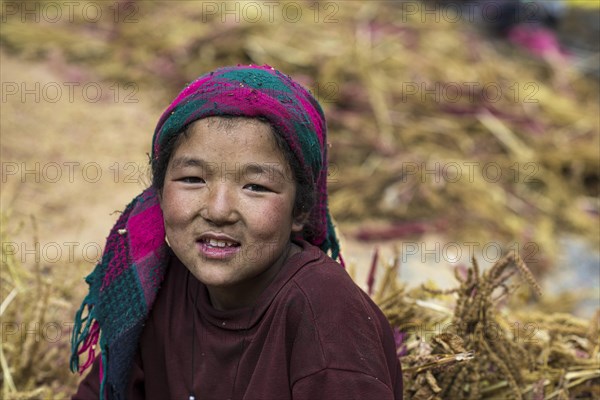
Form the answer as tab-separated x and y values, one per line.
256	188
191	179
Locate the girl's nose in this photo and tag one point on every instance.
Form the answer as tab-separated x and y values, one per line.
220	205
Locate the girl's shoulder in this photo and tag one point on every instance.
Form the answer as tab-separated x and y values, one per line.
328	288
337	324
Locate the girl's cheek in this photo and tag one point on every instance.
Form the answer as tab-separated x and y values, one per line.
274	210
176	205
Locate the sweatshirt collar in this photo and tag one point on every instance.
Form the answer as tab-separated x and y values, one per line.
247	317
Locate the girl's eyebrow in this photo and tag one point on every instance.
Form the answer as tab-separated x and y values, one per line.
264	169
186	161
267	169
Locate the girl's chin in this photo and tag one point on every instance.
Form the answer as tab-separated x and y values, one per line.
214	276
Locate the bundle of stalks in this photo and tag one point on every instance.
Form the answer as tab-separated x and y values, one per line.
479	344
36	312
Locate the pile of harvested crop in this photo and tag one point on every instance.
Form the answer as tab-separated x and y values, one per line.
36	310
479	343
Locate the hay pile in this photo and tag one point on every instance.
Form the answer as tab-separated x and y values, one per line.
476	342
37	308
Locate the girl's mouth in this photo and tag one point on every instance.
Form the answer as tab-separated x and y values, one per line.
217	248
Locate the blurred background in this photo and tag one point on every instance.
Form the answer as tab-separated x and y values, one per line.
457	130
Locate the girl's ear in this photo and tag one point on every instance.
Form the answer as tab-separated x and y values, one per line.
299	221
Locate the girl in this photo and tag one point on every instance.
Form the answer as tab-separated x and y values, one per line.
215	282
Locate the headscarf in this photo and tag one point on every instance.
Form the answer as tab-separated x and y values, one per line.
124	284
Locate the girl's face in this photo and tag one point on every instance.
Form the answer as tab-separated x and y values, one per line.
227	203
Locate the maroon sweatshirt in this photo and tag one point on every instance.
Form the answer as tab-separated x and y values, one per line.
312	334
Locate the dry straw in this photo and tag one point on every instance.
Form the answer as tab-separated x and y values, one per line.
486	347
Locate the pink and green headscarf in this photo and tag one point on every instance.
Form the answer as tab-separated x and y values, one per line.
125	282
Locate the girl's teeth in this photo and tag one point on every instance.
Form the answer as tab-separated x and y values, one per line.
219	243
